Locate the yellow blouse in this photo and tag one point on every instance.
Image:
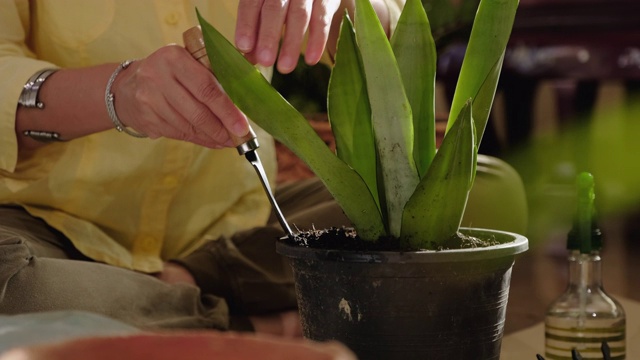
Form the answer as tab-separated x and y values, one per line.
121	200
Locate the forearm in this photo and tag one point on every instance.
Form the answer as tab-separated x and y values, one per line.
74	106
183	102
167	94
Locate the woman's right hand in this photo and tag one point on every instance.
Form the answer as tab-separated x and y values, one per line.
170	94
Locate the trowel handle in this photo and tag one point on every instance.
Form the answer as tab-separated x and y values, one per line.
194	43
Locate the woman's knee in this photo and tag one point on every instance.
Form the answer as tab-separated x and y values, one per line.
14	256
35	234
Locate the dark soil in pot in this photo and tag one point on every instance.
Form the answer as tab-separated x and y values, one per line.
347	239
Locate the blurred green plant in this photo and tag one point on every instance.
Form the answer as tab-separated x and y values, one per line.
606	145
387	176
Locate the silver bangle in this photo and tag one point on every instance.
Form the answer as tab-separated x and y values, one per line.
29	95
109	99
43	136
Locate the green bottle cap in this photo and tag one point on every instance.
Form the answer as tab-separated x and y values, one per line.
585	234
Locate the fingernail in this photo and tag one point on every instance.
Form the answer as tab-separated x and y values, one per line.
244	44
240	129
285	65
312	57
265	57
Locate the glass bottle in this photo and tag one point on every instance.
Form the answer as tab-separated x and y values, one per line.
585	316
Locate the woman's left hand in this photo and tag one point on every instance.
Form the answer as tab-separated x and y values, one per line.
261	24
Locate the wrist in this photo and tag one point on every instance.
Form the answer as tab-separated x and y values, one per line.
110	99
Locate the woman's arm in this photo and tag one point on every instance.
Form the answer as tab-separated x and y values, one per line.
153	96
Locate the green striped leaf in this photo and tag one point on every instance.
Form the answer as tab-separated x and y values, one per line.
435	210
265	106
483	60
415	52
391	116
349	110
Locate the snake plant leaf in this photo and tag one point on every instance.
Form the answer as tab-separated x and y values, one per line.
483	59
434	212
443	13
251	92
484	99
391	116
349	111
450	17
415	52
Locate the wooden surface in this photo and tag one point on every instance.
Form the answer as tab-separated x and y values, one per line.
524	344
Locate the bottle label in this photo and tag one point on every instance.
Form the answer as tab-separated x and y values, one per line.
562	335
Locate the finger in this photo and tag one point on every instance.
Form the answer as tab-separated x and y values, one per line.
251	57
248	24
297	21
319	27
176	114
271	24
169	121
205	89
192	121
218	102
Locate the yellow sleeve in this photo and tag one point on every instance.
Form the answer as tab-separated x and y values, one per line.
17	64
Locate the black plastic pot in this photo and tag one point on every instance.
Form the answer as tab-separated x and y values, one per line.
408	305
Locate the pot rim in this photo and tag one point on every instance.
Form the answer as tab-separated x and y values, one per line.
511	245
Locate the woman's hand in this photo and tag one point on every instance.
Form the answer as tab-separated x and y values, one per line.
286	324
170	94
261	24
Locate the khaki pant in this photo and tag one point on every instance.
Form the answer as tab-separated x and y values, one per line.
40	270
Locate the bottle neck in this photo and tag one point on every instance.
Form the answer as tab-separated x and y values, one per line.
585	269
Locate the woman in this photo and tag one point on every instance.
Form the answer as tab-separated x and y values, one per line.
89	213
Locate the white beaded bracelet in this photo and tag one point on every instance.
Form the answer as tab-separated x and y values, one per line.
109	99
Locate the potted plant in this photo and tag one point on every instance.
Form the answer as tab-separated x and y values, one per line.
406	282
